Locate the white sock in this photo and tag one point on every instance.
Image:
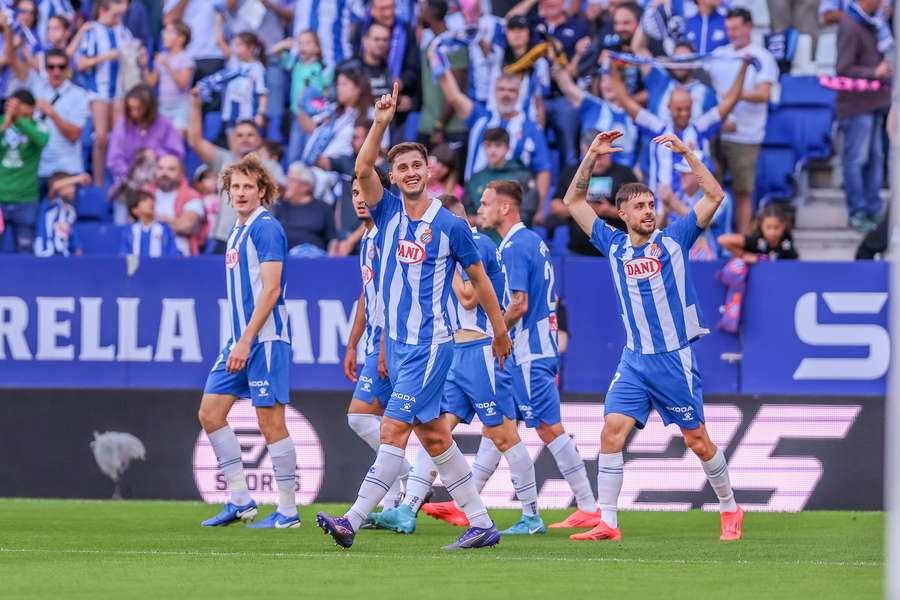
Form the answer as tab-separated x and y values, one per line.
457	477
228	452
717	472
610	469
388	465
420	480
572	468
367	427
485	464
284	463
521	471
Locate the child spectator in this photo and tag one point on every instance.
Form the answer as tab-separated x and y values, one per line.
173	70
141	176
146	237
303	58
272	150
206	184
772	239
55	235
245	92
442	168
25	44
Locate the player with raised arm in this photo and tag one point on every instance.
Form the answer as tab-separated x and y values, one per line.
476	385
422	245
658	304
373	387
256	359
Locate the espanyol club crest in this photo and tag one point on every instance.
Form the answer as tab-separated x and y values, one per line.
654	251
642	267
231	258
425	238
410	253
372	252
367	275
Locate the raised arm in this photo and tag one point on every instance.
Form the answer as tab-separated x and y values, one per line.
631	106
713	194
576	196
730	100
461	103
203	148
484	291
369	185
567	85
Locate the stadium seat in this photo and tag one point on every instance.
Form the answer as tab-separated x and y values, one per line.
100	238
783	130
804	101
805	90
775	174
212	126
7	245
92	204
559	245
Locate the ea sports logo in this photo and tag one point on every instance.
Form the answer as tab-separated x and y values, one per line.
410	253
257	462
231	258
643	267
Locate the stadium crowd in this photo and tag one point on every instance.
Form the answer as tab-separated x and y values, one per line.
127	111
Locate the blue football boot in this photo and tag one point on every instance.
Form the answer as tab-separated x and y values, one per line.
526	526
277	521
476	537
232	513
338	528
401	519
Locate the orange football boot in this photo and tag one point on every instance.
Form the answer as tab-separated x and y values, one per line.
579	518
731	525
446	511
601	532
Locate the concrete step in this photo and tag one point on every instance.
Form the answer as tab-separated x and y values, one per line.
823	174
826	208
834	244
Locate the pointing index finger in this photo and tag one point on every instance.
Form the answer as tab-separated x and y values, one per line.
395	92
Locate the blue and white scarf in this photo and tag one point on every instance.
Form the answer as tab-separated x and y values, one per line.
876	24
683	61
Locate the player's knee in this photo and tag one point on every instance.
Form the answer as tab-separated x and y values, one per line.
548	433
210	419
503	437
699	443
612	438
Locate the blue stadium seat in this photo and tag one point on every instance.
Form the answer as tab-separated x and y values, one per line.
775	174
100	238
92	204
805	90
212	126
810	107
7	244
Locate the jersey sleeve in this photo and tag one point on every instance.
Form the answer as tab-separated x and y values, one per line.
462	244
478	112
269	239
647	121
603	236
88	45
387	207
709	122
685	230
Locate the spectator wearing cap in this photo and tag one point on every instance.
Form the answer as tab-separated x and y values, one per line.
861	115
180	206
527	143
606	179
740	148
308	222
499	166
678	204
21	141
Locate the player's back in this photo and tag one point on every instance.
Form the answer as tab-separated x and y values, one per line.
476	319
526	263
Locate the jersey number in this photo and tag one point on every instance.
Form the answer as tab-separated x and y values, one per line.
551	277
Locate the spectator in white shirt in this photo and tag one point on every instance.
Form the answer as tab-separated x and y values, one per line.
179	205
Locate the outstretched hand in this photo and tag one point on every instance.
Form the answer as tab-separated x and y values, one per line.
603	143
386	106
672	142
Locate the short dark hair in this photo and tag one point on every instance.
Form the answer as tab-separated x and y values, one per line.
448	200
496	135
634	8
64	21
23	96
404	147
275	149
182	29
629	191
507	187
742	13
56	53
438	8
382	177
249	122
134	197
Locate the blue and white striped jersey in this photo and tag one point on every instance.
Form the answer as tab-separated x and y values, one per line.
606	116
241	97
476	319
369	262
261	239
527	143
417	264
653	284
660	86
535	84
331	20
153	241
525	259
696	136
99	39
52	8
55	233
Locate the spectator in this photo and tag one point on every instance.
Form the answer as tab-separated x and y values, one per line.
597	114
831	11
173	70
21	142
706	31
438	121
625	37
244	79
308	222
662	23
136	20
341	167
199	16
243	140
47	10
606	179
205	183
64	110
146	237
55	233
98	62
799	14
309	76
272	151
23	52
442	173
740	148
678	204
696	133
328	20
772	239
141	176
180	206
531	146
483	36
373	61
861	115
141	127
535	73
499	166
59	37
660	84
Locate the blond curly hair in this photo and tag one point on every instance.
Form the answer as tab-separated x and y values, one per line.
252	166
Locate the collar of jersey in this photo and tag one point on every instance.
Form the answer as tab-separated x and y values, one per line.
512	231
260	209
652	239
429	215
370	234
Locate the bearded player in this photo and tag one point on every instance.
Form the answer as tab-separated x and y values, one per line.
658	304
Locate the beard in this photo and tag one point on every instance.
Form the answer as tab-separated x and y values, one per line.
166	184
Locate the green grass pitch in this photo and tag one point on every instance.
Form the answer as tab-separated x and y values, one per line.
94	549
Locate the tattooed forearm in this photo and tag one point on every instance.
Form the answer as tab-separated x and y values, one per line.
584	176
